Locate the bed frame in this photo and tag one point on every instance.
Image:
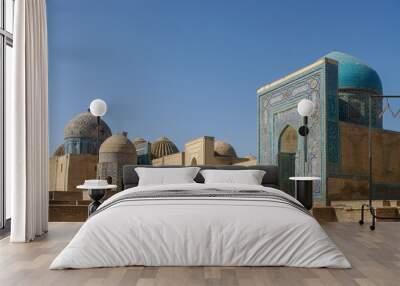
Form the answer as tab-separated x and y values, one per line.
130	178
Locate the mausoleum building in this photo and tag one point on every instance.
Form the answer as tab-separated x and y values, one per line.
340	86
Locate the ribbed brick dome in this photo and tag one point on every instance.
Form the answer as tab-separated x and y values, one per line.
163	147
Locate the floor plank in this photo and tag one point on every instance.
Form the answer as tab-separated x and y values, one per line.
375	257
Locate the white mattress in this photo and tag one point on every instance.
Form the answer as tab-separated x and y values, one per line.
200	231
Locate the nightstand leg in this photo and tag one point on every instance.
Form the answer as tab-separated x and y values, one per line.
93	207
96	196
305	193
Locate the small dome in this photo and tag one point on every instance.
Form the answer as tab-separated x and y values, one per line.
224	149
84	125
354	74
118	143
60	151
163	147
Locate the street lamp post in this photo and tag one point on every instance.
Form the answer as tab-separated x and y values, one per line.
305	108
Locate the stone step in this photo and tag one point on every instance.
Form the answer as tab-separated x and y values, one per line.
70	203
68	213
388	213
65	196
71	206
324	214
74	196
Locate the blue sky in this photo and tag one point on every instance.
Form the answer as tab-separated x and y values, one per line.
184	69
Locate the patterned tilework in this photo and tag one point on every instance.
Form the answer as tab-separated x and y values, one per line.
333	138
80	146
278	109
333	132
354	108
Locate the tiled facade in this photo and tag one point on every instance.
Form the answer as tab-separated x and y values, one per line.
338	127
143	151
278	109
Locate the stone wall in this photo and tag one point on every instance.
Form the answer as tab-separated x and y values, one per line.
176	159
113	170
111	164
350	211
247	162
351	180
200	151
68	171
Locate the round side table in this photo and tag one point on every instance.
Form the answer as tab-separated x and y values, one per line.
304	190
96	193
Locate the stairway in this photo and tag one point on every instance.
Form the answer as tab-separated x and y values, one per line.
71	206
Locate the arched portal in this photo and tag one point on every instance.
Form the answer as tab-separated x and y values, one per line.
193	162
287	158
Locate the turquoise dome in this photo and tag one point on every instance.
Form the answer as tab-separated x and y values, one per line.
355	74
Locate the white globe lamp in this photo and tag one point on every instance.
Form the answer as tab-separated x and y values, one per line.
98	107
305	107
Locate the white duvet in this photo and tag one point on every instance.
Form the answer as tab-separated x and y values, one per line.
200	231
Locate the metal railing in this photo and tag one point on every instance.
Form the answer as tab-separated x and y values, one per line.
371	186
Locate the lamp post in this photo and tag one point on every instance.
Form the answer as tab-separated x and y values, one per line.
305	108
98	108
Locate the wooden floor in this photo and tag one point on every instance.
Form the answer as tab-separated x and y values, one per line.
375	257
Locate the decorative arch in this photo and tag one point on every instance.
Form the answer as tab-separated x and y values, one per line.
282	120
278	109
288	140
193	162
287	149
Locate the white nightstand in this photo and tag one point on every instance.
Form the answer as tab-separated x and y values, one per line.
97	190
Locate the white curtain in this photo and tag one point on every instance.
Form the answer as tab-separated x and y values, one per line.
27	124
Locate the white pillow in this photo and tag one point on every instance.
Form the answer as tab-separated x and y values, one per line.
248	177
166	176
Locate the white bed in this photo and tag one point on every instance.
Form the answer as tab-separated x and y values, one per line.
202	231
